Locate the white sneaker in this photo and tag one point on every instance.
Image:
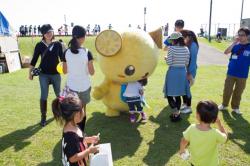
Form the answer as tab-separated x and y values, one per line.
222	107
186	110
183	106
237	111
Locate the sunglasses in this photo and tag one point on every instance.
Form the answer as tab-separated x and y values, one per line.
241	34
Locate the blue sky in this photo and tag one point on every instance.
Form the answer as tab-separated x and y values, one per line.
120	13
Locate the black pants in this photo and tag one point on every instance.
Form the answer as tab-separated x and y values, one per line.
174	102
187	100
135	106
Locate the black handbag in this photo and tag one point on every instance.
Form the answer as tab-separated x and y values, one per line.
37	71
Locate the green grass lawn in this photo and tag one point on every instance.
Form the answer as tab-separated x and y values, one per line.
27	44
156	143
220	46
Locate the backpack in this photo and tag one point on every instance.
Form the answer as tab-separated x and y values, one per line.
123	88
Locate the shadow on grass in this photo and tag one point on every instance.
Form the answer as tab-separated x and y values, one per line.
123	136
166	139
18	138
240	130
56	156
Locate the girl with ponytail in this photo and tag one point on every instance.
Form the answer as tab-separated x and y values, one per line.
68	111
78	64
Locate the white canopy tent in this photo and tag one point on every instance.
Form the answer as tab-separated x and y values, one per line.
9	52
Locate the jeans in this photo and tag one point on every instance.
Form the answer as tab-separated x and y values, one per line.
47	79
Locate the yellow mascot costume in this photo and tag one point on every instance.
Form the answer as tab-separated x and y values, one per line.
124	57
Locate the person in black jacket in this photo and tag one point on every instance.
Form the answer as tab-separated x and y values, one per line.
50	52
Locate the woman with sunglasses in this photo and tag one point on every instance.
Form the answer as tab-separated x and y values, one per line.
238	69
50	52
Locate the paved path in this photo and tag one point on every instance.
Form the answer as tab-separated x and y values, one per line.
210	56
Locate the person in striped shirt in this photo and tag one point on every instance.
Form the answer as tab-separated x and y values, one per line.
176	81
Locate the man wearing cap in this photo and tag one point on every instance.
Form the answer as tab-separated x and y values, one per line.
178	26
50	52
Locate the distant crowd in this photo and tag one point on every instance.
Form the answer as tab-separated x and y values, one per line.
35	30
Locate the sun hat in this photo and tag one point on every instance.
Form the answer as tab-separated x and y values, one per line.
175	35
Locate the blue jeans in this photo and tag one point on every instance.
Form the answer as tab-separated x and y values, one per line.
47	79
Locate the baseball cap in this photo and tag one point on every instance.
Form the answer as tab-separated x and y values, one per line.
46	28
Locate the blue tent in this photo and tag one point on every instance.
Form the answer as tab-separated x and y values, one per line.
5	29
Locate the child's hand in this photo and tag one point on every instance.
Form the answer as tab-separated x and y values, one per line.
95	139
181	151
141	91
93	149
165	58
185	155
218	121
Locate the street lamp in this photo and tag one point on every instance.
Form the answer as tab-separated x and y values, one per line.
145	12
65	20
210	17
241	11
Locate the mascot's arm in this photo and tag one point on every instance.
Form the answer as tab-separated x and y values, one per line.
101	90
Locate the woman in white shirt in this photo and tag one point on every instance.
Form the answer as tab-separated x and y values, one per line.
78	64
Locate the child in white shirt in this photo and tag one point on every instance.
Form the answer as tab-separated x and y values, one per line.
133	94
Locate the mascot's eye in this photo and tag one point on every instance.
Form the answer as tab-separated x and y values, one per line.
130	70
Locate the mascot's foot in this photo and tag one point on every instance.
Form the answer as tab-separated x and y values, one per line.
112	113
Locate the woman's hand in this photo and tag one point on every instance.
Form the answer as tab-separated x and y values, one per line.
30	76
189	77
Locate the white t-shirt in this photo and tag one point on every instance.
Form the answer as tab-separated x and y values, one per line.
132	89
78	78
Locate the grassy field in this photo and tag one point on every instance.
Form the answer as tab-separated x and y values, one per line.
23	142
27	44
220	46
